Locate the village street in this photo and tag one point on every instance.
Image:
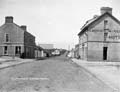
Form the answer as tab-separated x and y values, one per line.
55	74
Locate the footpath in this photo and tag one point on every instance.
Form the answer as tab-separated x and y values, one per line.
108	72
6	62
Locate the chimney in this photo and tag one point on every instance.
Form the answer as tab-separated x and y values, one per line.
95	16
23	27
8	19
106	9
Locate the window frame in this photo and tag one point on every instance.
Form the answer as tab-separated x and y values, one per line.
7	37
18	50
105	24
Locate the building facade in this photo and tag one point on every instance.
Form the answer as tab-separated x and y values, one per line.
16	40
40	53
46	46
76	51
99	38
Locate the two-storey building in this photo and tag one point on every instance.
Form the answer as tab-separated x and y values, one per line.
15	40
99	38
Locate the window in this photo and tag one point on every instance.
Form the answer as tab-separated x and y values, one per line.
6	37
106	28
17	49
105	24
5	50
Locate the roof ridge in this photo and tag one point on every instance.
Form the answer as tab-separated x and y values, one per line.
89	21
83	28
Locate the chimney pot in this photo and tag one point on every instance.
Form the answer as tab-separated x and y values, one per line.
23	27
9	19
106	9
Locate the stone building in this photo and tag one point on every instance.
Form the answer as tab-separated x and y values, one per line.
15	40
99	38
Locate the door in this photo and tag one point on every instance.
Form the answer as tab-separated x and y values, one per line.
5	50
104	53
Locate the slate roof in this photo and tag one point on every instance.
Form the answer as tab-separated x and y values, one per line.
88	22
93	20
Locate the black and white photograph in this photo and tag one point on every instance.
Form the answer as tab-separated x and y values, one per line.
59	45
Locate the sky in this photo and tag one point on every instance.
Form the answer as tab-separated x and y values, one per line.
55	21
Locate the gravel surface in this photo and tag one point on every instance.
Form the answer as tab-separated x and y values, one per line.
57	74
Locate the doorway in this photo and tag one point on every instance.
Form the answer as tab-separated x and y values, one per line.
5	50
105	53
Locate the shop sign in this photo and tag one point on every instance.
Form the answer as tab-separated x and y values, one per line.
112	34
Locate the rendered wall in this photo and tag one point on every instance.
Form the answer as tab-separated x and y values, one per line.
83	47
15	35
95	51
114	52
96	41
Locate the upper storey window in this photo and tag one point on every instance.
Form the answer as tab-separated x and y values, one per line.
105	24
6	37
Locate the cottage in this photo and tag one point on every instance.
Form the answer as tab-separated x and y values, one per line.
99	38
40	53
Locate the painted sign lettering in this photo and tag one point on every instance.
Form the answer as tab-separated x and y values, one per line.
112	34
108	30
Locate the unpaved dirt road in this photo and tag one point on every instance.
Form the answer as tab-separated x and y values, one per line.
56	74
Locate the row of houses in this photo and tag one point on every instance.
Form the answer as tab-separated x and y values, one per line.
16	41
99	38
